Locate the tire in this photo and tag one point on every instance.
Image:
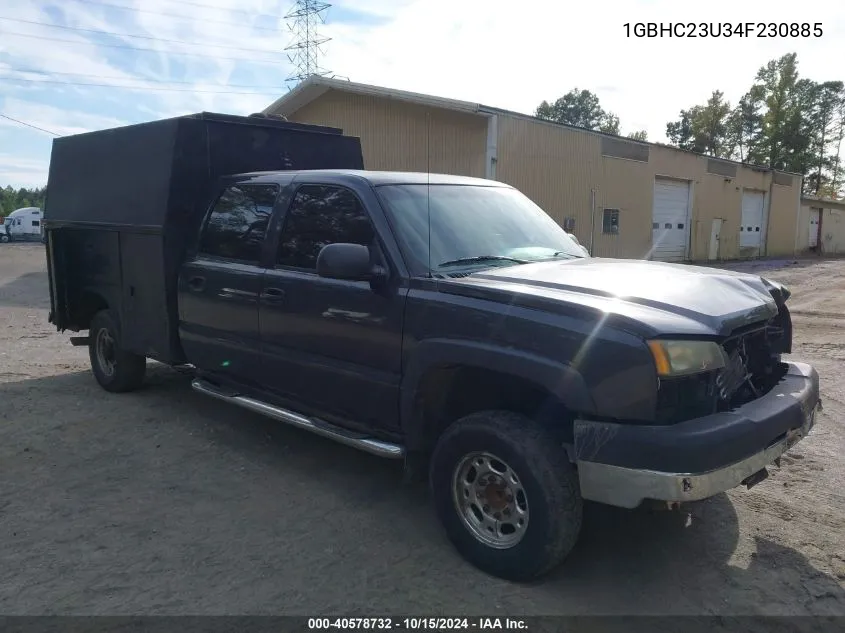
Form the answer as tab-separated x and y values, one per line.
4	238
547	496
115	369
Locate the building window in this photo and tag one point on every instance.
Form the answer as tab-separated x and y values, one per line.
610	222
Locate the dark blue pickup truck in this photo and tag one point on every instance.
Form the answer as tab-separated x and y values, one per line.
449	322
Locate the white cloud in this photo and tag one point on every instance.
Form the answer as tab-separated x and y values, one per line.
491	51
513	56
57	120
22	172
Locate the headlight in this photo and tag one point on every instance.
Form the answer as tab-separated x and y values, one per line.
679	358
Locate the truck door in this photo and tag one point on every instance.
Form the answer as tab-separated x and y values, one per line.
219	287
331	345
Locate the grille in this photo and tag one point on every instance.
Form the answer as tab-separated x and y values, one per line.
751	371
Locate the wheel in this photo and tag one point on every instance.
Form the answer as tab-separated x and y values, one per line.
4	238
115	369
506	494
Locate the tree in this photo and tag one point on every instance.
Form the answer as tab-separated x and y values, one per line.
609	124
745	125
11	199
834	189
784	122
639	135
580	108
704	129
824	105
680	132
783	145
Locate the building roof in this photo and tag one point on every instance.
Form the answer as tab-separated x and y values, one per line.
840	204
315	86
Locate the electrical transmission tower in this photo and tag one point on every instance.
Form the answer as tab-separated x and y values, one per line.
303	21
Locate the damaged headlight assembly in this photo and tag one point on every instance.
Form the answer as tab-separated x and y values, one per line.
683	358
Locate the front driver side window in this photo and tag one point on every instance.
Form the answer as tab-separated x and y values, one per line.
320	215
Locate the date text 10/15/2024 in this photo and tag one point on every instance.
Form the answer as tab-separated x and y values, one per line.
418	624
723	29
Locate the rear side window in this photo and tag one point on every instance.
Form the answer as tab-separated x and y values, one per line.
238	223
321	215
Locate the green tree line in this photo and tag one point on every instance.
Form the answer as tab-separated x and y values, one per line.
11	199
784	121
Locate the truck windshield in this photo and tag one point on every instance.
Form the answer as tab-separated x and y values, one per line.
473	226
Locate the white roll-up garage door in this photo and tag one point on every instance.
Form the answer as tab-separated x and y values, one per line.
670	220
751	230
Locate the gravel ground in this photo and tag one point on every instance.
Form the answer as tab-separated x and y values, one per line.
165	502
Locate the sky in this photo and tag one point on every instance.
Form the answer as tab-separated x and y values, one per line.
228	56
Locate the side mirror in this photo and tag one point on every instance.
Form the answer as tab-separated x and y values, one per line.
346	261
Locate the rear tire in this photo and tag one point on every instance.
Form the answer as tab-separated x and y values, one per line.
519	515
116	370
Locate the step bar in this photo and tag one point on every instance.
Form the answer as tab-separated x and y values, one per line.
319	427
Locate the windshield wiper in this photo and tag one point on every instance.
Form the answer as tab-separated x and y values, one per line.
481	258
568	255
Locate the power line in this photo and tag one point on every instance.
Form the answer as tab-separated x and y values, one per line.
140	48
74	83
219	8
175	15
34	127
124	78
142	37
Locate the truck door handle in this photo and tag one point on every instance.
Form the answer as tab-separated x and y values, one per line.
274	295
196	283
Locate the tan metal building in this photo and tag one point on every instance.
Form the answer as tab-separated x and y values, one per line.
821	226
620	197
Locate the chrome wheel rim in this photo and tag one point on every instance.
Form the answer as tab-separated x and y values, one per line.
490	499
105	352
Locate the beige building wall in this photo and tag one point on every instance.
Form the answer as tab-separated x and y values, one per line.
832	238
562	169
565	171
400	136
783	216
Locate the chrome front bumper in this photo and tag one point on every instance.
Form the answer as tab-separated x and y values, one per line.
629	487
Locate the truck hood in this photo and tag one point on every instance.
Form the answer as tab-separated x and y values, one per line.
661	298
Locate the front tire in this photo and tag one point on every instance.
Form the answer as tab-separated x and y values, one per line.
115	369
4	238
506	494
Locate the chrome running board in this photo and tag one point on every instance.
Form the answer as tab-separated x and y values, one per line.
350	438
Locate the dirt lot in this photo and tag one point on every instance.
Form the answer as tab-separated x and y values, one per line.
165	502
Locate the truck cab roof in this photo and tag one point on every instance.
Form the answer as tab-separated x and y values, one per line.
374	178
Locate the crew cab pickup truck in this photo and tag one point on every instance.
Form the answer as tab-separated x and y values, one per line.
449	322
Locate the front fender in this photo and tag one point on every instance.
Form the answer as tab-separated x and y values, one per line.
559	379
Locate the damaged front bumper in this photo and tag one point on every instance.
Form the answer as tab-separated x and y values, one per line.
623	465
